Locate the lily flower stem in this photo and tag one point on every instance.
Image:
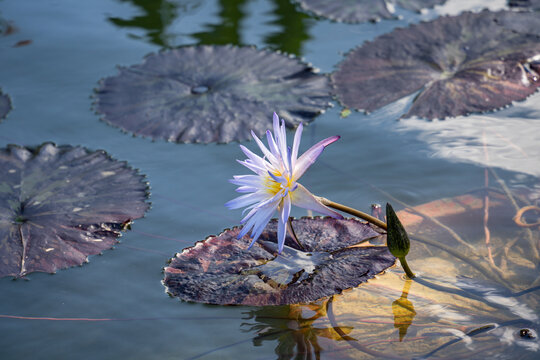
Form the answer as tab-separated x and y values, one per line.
354	212
293	234
406	268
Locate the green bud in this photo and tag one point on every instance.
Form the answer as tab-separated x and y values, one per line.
397	238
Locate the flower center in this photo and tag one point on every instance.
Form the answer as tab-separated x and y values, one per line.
273	187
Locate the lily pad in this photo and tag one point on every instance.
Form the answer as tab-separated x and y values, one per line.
211	94
523	22
5	105
524	4
59	204
357	11
459	65
222	270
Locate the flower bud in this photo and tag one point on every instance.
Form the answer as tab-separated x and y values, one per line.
397	239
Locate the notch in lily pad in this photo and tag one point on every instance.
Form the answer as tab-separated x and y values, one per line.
397	239
5	105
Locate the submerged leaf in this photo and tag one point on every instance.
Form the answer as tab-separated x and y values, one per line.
59	204
356	11
451	302
459	65
5	105
222	270
211	94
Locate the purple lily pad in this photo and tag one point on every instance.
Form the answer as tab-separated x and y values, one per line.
212	94
222	270
524	22
5	105
355	11
524	4
59	204
460	65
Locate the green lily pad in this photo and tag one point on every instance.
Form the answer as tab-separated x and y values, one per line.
212	94
5	105
357	11
458	65
222	270
59	204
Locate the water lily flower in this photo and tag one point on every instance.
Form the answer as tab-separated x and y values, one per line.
275	186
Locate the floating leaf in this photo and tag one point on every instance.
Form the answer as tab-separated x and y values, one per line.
5	105
459	65
451	302
522	22
355	11
524	4
59	204
222	270
211	93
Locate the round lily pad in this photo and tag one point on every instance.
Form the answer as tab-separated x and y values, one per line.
5	105
355	11
211	94
459	65
59	204
524	4
523	22
222	270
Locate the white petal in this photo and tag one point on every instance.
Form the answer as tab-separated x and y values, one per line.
247	189
245	200
253	167
262	217
256	159
273	148
309	157
282	222
246	180
296	143
301	197
265	151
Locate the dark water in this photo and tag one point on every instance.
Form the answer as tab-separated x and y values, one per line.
116	307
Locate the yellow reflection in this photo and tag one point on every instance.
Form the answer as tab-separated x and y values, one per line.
403	310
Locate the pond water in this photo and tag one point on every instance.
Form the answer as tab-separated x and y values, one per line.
116	306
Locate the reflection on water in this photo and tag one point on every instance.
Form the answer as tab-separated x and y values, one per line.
228	29
156	17
294	28
484	140
403	310
301	331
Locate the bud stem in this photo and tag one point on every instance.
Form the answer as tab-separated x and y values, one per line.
406	267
